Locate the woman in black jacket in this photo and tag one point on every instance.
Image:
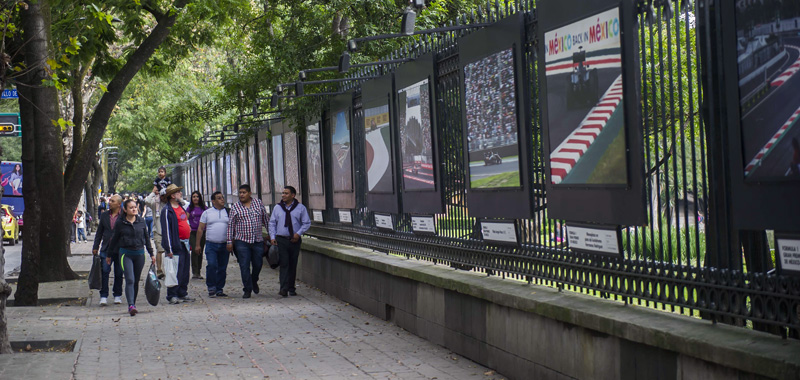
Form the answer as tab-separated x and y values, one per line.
127	245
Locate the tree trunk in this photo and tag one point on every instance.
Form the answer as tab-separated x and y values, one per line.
5	291
81	160
27	293
42	104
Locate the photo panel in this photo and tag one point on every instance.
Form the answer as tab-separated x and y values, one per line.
589	99
291	159
761	56
418	136
244	171
251	159
264	167
495	102
341	155
221	174
379	152
314	170
213	177
229	179
492	129
277	166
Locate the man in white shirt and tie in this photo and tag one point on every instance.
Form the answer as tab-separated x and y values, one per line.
287	234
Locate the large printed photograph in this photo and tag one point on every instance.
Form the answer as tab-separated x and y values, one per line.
212	177
416	147
221	166
263	148
291	160
251	158
277	163
492	130
314	157
342	154
586	118
243	165
768	56
234	176
378	149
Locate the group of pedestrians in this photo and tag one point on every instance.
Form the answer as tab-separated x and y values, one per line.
185	230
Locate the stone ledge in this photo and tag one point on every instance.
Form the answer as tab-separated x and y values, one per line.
734	347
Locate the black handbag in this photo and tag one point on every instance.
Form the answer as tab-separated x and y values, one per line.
273	257
96	273
152	287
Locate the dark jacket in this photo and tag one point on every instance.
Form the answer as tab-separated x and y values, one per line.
131	236
104	231
170	239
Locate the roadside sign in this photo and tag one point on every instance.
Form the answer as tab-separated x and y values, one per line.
10	94
10	125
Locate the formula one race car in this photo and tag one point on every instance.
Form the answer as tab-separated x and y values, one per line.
582	89
491	158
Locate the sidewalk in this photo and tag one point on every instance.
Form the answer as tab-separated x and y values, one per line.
311	336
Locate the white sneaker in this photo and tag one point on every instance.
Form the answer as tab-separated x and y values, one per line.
103	301
117	300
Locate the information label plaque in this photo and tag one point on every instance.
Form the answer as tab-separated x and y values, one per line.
345	216
423	224
499	232
317	216
788	253
384	222
604	240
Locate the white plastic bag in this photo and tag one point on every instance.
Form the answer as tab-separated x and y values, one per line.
171	271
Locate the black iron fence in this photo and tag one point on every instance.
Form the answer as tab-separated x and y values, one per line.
686	259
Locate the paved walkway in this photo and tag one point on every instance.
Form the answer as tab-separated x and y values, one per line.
312	336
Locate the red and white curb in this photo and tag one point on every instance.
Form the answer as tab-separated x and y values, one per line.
567	154
774	140
793	69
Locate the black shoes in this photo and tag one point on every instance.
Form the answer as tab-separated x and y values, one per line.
292	293
246	295
283	293
255	288
221	294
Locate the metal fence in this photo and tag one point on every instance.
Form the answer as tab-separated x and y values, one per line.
681	261
687	259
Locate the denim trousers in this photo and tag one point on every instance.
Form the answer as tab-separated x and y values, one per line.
249	253
149	222
216	266
106	273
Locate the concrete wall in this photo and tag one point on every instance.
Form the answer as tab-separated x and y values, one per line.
531	332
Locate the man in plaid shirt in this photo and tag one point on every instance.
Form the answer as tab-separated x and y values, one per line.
247	217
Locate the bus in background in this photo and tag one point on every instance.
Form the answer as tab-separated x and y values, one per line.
11	180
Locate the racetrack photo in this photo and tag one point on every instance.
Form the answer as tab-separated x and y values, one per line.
378	149
586	115
416	147
314	157
768	56
492	130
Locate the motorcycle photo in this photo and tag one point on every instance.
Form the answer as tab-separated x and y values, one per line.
582	89
492	158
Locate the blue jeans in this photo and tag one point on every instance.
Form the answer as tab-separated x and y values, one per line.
184	263
249	253
81	234
117	277
149	222
216	266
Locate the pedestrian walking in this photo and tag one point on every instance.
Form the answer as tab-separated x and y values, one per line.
195	210
287	225
153	202
102	207
105	230
176	230
127	247
147	213
81	224
244	232
213	229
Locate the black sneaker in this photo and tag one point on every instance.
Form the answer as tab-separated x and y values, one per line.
292	293
246	295
212	295
255	288
186	299
283	293
221	294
